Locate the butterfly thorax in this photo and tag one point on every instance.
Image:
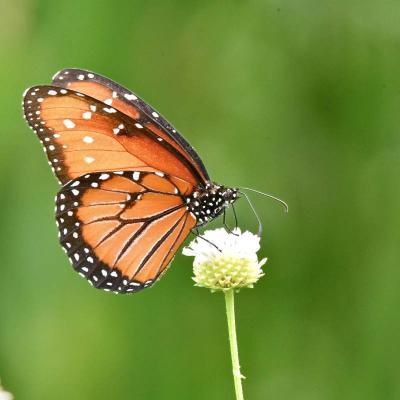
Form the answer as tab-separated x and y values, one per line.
208	201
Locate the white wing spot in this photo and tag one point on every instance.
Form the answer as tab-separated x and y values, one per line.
130	96
110	110
104	176
138	126
87	115
69	124
88	159
81	77
154	114
136	176
52	92
88	139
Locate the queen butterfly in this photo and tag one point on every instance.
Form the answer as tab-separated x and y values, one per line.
133	188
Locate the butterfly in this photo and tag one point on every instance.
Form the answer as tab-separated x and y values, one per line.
132	187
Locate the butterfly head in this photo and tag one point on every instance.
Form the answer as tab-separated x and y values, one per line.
209	201
229	195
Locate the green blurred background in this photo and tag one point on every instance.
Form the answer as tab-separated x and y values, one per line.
297	98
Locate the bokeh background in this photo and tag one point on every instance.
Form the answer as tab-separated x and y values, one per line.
299	99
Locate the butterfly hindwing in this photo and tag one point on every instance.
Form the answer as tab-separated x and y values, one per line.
121	229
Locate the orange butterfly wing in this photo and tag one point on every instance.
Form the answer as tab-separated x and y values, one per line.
122	212
81	134
128	103
122	229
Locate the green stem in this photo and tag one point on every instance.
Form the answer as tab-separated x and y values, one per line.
230	314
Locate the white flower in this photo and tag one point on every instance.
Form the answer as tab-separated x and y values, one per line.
225	260
5	395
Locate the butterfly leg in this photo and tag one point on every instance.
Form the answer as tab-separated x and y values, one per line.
196	233
234	213
229	230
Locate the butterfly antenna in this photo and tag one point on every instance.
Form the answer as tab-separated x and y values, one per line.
285	205
254	212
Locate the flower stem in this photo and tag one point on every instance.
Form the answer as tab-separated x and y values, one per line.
230	314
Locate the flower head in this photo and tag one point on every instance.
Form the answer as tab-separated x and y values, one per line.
225	260
5	395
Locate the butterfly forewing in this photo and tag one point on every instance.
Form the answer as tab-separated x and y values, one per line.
133	187
81	134
129	103
121	229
